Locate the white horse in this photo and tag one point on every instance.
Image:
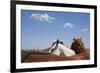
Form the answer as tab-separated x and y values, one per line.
61	50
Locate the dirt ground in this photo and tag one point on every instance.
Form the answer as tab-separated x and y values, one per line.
50	57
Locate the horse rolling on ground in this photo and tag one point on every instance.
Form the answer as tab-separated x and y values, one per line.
59	49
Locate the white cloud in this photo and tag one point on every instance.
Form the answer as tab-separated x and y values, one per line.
68	25
43	17
84	30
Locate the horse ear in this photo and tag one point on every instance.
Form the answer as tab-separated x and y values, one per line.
74	39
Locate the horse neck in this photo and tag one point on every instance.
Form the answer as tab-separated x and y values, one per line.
60	45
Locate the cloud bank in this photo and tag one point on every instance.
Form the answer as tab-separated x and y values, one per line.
43	17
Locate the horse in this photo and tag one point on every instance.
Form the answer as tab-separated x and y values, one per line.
78	46
59	49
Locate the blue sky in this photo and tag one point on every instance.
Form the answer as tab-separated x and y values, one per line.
41	28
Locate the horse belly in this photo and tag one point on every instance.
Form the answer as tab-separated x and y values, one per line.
66	51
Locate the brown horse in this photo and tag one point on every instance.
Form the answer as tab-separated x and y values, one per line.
78	47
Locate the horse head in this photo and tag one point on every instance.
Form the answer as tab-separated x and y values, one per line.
54	48
78	45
